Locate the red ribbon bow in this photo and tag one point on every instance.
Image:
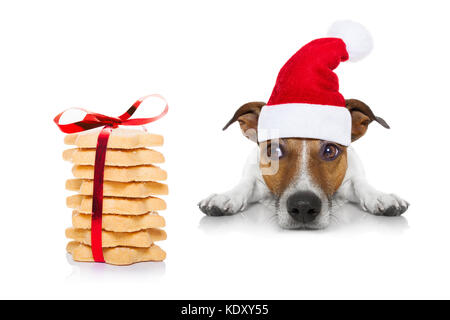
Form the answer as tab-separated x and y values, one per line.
94	120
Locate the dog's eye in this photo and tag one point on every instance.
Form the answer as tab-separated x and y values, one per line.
274	151
329	152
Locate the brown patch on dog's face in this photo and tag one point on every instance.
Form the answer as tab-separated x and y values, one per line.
327	172
288	164
325	163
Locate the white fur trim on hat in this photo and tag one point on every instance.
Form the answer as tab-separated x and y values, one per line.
301	120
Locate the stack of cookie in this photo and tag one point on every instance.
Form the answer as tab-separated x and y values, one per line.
130	223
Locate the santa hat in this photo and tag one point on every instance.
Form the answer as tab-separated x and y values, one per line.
305	101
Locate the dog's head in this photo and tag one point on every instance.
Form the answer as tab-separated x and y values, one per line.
308	171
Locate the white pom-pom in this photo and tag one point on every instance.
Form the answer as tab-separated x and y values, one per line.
356	37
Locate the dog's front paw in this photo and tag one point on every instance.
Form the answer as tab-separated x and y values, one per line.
382	204
222	205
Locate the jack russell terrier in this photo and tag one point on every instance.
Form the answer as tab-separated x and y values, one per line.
313	177
306	167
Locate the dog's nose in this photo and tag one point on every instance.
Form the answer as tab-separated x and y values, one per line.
304	206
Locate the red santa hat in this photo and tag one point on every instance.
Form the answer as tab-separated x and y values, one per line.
305	101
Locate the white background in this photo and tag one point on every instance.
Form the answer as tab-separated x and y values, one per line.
207	58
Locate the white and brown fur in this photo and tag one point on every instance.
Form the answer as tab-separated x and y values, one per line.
302	171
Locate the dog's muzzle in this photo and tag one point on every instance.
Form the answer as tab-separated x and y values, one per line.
304	206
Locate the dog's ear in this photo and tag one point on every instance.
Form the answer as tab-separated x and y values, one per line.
247	116
362	116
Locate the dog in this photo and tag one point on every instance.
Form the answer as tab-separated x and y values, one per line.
312	177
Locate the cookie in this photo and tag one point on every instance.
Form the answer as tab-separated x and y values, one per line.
119	189
120	138
120	256
115	157
140	239
112	205
120	223
122	174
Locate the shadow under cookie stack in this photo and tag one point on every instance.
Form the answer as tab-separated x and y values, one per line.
130	222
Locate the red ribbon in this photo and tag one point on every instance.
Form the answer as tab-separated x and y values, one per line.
94	120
